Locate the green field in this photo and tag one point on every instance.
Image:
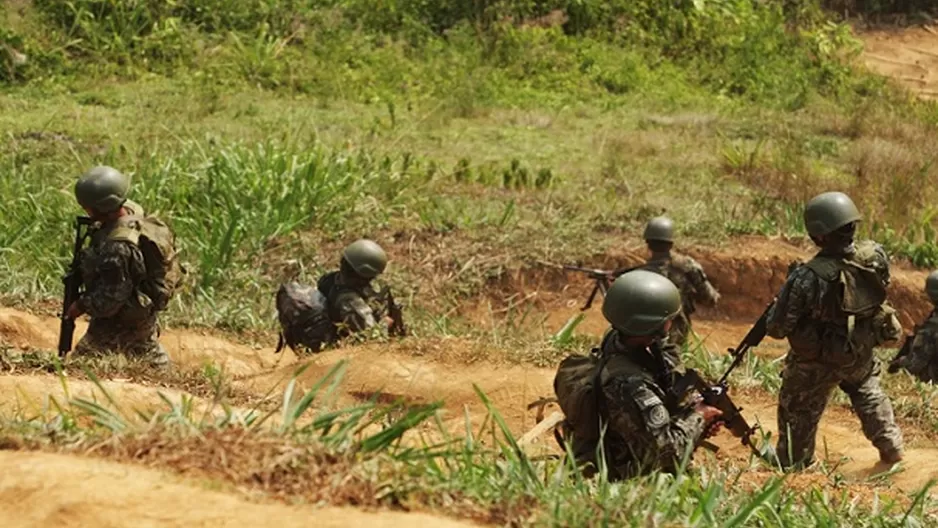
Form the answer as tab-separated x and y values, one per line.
480	137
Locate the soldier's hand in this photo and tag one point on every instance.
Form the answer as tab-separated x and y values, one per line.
74	311
709	413
713	430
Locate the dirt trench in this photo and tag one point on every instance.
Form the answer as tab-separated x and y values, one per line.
748	272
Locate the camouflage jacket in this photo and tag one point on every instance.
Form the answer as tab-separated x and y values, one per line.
112	271
689	277
352	307
922	358
647	428
802	315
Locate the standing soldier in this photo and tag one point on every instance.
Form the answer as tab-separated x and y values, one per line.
636	367
128	270
344	302
833	311
685	272
919	354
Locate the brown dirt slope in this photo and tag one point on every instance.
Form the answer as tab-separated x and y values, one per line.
909	55
45	490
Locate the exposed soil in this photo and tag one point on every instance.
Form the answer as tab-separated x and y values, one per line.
909	55
53	490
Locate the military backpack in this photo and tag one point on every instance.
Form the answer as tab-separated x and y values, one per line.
157	243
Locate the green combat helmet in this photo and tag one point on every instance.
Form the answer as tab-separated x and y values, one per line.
660	229
640	302
931	286
366	258
828	212
102	189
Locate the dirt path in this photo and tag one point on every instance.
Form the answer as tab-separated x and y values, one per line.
909	55
49	490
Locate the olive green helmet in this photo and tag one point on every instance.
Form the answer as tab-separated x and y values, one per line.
828	212
640	302
366	258
102	189
931	286
660	229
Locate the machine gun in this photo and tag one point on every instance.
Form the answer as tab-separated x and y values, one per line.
717	394
73	285
603	280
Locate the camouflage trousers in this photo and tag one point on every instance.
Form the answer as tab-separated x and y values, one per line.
806	389
138	341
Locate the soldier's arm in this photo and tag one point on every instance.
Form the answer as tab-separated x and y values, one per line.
113	282
355	313
793	299
704	290
655	436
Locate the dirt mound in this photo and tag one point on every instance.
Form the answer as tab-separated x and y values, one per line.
41	489
909	55
748	272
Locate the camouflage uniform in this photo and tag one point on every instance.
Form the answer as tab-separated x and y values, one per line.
826	353
353	304
922	358
689	277
122	318
647	429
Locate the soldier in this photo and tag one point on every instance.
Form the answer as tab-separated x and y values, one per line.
344	301
124	289
919	355
683	271
647	428
833	311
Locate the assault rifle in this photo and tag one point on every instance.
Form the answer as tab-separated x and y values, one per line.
73	285
397	327
603	280
716	394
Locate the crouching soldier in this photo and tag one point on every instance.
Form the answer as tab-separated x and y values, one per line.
344	302
625	387
919	354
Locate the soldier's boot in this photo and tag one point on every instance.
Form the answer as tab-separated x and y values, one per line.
890	456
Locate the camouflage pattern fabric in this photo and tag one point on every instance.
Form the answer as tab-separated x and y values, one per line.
822	357
689	277
922	359
353	306
122	318
646	429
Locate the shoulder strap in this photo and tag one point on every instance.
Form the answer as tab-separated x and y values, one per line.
127	229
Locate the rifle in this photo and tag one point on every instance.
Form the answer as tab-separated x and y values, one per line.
717	394
603	280
397	327
73	285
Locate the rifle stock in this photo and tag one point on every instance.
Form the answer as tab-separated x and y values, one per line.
73	286
717	395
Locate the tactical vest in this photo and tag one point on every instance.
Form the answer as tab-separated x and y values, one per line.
857	284
157	244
